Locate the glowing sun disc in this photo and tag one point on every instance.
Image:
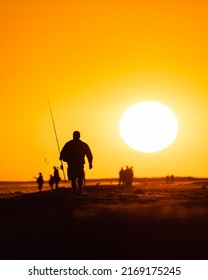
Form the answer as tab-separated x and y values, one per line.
148	126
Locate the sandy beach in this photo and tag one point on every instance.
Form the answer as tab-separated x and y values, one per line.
151	220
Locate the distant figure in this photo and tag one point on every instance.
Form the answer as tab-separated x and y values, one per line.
56	177
40	182
74	152
128	176
51	182
172	178
121	177
131	175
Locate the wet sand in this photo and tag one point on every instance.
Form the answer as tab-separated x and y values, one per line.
151	220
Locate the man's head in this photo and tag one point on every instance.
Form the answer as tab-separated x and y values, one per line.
76	135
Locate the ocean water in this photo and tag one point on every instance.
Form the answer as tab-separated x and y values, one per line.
8	189
15	188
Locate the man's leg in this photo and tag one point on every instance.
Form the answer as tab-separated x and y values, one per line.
72	178
80	184
81	177
74	185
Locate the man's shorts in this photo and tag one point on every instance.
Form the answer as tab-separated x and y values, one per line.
75	172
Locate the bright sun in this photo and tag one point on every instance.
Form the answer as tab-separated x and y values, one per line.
148	126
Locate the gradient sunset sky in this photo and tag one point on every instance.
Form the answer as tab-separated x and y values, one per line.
94	59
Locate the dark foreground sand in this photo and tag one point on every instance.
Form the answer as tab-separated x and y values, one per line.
147	221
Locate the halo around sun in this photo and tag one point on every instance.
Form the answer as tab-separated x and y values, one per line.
148	126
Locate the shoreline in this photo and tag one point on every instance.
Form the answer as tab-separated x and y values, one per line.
136	179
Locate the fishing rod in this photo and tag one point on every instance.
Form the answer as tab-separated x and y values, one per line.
33	166
56	136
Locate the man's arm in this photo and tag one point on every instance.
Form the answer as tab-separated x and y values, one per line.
89	156
64	153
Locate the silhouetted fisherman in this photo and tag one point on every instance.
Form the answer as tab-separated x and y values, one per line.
56	176
40	182
51	182
74	153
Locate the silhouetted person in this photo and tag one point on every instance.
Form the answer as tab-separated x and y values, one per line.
51	182
172	178
167	179
40	182
128	176
121	177
74	153
131	175
56	176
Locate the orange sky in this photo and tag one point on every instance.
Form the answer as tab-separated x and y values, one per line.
94	59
